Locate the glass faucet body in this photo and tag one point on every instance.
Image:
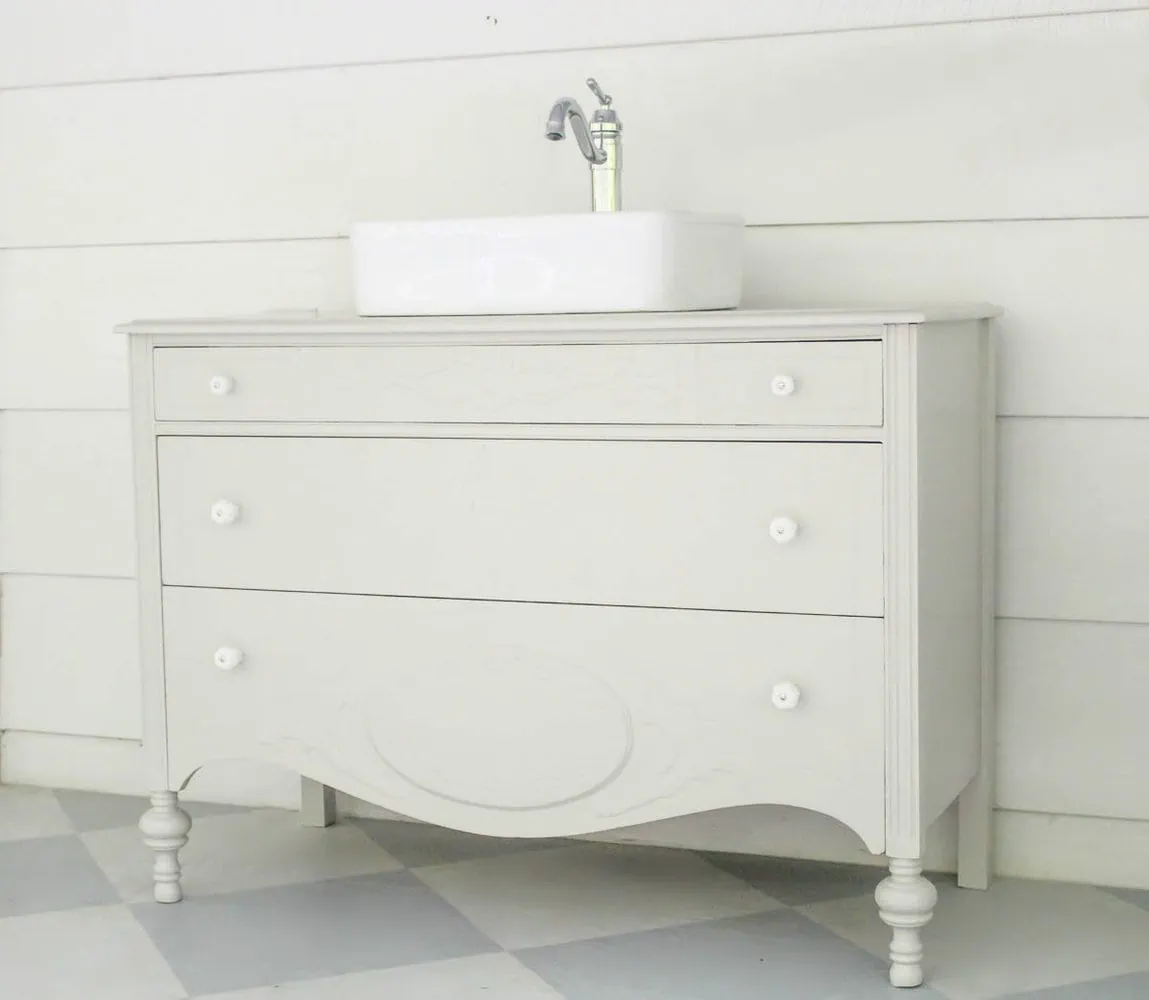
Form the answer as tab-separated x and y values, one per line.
600	142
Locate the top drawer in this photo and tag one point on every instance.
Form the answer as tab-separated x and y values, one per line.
786	383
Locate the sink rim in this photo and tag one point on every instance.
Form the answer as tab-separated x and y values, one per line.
555	218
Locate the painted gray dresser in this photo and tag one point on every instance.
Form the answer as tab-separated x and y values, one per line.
550	575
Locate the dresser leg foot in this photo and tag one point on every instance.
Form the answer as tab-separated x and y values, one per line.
316	803
906	903
165	828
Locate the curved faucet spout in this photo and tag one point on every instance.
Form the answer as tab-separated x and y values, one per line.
568	107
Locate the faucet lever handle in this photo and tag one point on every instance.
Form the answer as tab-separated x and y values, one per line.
603	98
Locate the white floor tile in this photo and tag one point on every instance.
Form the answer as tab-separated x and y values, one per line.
251	850
1015	937
485	977
590	890
30	812
98	953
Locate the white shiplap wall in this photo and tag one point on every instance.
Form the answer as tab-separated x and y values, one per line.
208	157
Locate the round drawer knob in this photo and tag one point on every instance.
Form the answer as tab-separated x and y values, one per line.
782	385
224	512
786	696
228	657
783	529
221	385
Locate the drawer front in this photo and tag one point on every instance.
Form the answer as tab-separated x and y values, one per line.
837	383
532	720
722	525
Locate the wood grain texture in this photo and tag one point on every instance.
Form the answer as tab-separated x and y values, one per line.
135	38
303	154
71	660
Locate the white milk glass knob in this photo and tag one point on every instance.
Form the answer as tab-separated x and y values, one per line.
228	657
786	696
221	385
224	512
782	385
783	529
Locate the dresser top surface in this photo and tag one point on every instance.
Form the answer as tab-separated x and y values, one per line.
845	322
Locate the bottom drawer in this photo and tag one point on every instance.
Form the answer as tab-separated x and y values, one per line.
519	719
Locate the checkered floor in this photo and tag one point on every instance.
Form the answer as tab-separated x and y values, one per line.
367	910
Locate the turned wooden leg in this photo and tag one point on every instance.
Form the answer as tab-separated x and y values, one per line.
906	903
165	828
316	803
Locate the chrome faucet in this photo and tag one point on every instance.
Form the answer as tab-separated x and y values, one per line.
600	142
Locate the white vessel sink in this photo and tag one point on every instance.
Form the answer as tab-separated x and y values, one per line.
572	263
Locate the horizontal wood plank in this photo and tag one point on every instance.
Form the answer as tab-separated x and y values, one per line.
1048	122
1072	501
1082	849
1062	352
71	656
121	39
1071	719
66	494
216	158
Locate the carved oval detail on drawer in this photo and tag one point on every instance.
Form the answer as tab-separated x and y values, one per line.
507	728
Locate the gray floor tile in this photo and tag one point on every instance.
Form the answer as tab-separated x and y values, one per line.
1018	936
420	844
96	811
251	850
1138	897
1134	987
31	812
496	976
50	873
92	953
263	937
795	882
769	956
539	898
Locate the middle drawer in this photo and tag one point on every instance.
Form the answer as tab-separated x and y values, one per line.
750	526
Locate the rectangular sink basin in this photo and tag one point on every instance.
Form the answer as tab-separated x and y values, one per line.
567	263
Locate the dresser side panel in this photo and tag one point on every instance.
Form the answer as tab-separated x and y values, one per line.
951	373
146	495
